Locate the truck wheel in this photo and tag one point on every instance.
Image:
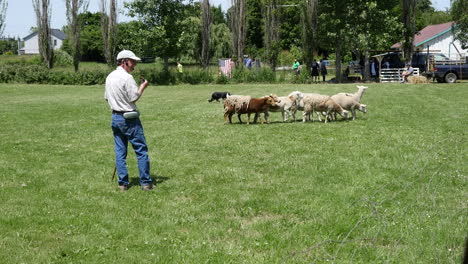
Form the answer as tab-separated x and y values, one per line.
450	77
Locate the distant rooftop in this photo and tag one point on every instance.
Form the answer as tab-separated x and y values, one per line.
428	33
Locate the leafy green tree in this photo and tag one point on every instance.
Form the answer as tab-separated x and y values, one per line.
290	17
221	40
163	19
255	25
370	27
139	38
218	15
426	15
459	13
91	43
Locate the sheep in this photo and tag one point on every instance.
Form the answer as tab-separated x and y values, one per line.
254	105
320	103
348	103
286	104
357	96
351	102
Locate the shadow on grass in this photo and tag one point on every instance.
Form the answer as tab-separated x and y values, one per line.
157	179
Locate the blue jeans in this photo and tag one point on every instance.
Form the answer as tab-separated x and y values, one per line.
126	130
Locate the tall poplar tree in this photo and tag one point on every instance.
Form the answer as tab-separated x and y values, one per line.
42	9
206	29
309	30
272	32
3	9
73	9
409	23
109	30
238	28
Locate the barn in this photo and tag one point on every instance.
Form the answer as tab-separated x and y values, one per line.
31	43
438	38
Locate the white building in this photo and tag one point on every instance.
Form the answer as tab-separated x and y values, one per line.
438	38
31	42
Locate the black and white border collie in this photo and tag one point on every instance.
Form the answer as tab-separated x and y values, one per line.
219	95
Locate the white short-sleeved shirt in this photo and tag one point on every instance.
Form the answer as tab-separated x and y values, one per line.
121	90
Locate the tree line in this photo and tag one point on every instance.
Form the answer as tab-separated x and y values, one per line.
308	29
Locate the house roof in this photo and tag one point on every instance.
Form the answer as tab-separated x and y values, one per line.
54	32
428	33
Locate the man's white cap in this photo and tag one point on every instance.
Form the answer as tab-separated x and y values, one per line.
127	54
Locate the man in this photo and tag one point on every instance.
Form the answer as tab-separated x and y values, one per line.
409	71
323	69
179	68
122	93
296	67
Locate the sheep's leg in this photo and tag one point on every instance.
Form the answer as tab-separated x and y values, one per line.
248	118
304	116
226	116
354	113
267	117
239	116
282	115
326	116
256	117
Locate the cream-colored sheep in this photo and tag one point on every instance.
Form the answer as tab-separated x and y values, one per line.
357	96
287	104
348	103
320	103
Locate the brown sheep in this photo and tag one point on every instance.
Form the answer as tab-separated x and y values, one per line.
255	105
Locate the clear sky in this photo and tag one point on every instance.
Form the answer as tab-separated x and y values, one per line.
21	17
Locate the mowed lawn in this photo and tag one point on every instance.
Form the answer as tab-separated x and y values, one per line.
389	187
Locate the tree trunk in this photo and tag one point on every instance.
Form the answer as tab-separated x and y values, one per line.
409	17
109	31
73	7
309	30
166	63
338	57
206	25
366	67
42	9
272	36
238	28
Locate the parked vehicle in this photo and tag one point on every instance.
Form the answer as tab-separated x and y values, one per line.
432	65
443	69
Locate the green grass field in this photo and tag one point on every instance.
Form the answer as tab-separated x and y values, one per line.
390	187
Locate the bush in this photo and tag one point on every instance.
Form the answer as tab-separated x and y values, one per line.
161	77
222	79
302	77
254	75
62	58
195	76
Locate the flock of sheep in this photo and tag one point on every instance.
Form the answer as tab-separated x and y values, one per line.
309	103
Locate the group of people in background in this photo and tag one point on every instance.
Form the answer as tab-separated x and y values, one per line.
315	69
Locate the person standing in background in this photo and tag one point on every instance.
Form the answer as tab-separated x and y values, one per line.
296	67
323	69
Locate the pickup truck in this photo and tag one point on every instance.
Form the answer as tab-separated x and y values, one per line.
440	68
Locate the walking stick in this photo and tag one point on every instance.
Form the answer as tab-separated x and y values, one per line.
113	174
